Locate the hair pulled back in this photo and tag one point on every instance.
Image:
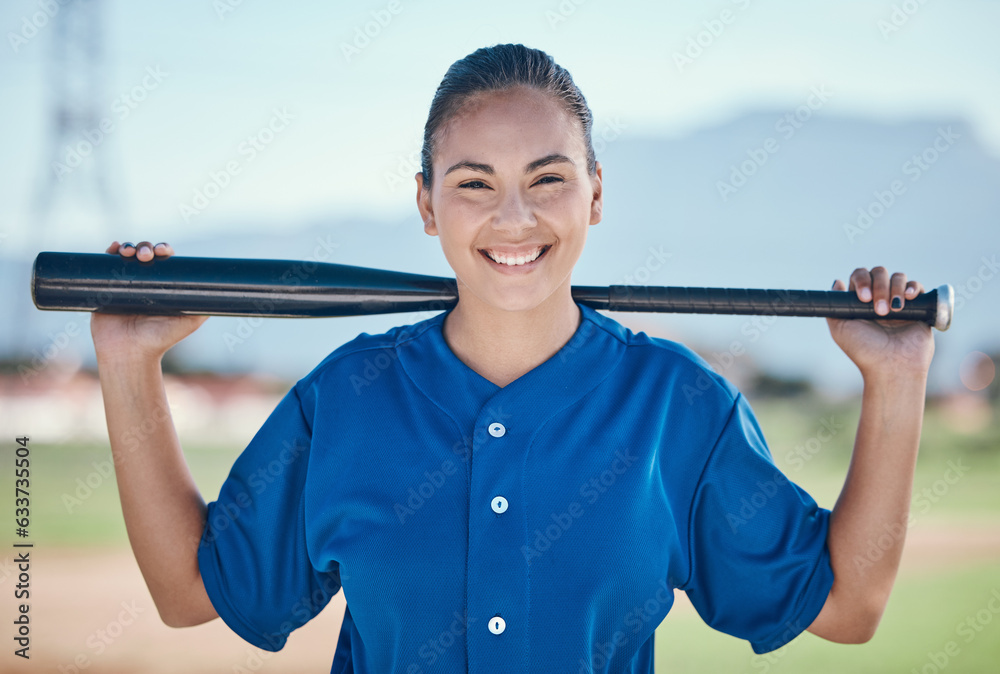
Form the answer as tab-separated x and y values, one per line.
498	68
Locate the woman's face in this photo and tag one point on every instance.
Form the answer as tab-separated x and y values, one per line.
511	199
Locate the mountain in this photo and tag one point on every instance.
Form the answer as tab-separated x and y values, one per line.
766	200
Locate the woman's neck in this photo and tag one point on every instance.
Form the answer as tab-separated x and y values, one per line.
504	345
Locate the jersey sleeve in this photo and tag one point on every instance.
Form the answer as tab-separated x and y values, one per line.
253	556
760	567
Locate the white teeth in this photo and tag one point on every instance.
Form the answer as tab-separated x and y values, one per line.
517	260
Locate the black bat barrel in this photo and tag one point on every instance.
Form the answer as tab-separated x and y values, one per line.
229	287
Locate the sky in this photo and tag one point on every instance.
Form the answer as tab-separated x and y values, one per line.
282	112
357	104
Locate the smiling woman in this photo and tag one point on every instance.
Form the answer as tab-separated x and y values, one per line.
527	482
511	208
510	135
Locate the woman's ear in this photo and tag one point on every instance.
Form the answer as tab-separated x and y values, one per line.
597	203
424	205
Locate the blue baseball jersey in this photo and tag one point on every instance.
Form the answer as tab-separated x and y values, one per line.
542	526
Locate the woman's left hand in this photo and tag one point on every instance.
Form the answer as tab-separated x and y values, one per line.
884	346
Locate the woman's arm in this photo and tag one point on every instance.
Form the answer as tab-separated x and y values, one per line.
163	510
869	520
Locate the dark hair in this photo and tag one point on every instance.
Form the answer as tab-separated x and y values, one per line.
498	68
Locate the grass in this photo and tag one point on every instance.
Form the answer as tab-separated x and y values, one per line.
924	614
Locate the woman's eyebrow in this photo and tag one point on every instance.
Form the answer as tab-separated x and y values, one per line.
473	166
545	161
533	166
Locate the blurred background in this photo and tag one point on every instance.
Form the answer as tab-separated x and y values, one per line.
744	143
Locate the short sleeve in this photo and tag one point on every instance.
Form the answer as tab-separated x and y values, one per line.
253	556
760	567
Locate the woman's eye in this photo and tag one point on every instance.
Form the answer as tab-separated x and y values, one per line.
548	180
474	184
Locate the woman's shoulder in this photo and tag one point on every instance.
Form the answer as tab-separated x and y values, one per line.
369	347
670	356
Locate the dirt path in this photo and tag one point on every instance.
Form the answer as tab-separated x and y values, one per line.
83	600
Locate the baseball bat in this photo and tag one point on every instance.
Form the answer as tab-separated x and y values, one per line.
304	289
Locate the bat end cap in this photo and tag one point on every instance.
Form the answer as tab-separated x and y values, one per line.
945	307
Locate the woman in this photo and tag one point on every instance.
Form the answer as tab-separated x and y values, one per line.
520	483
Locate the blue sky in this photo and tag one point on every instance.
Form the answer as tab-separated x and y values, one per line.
357	118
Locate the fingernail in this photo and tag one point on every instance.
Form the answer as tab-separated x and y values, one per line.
834	284
881	307
866	295
896	303
145	249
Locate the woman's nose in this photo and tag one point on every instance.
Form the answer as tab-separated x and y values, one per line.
514	214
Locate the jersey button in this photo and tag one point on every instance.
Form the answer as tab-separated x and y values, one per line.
497	625
497	429
499	504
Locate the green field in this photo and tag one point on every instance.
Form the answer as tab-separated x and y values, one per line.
927	610
924	614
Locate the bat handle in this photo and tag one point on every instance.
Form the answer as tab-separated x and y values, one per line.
935	308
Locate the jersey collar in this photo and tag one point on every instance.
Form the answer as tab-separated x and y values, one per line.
591	354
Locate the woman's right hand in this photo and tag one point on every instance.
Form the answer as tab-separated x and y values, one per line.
128	336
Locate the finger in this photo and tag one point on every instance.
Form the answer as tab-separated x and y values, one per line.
913	288
127	249
113	248
144	251
880	290
838	285
163	250
897	284
861	281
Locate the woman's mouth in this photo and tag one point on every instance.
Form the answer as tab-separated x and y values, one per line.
510	258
